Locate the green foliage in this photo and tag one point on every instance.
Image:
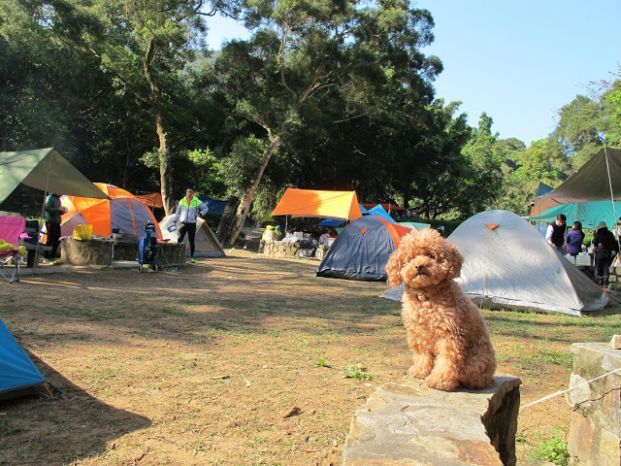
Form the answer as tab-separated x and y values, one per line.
356	371
553	450
322	362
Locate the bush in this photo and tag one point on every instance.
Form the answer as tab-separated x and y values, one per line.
553	450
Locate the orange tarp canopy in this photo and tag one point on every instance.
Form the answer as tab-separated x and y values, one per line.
322	204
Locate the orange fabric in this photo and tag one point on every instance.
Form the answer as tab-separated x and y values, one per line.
492	226
317	203
396	231
389	207
97	212
153	200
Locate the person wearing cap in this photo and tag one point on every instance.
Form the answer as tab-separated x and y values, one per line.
555	234
53	211
187	212
604	248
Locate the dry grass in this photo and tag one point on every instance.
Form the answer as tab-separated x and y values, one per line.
203	365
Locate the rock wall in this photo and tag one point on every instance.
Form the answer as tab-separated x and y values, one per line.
280	248
595	429
94	252
171	254
407	423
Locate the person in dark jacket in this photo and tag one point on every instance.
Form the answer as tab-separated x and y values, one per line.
604	248
53	211
573	241
555	235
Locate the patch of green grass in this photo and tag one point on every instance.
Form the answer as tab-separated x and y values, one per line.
553	450
356	371
322	362
563	359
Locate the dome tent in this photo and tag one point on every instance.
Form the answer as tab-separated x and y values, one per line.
122	211
507	264
362	249
206	243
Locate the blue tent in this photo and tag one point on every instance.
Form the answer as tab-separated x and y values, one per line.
215	206
18	374
379	211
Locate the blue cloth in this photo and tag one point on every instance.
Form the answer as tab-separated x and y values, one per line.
17	371
379	211
573	242
332	222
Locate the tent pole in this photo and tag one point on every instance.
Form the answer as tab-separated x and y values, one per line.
47	184
612	196
286	217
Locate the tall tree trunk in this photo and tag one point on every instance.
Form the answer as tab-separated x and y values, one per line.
160	126
246	200
227	220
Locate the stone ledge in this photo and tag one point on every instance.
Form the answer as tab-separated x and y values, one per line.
595	431
407	423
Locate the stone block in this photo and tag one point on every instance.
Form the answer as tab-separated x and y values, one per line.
595	430
125	251
170	254
407	423
93	252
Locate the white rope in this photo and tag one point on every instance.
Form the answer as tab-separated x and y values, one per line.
562	392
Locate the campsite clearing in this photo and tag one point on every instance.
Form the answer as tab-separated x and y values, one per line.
218	364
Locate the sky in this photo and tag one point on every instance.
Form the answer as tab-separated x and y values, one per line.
518	61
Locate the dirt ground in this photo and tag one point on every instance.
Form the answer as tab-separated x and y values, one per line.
202	365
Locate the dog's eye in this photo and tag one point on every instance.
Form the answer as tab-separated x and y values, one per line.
433	255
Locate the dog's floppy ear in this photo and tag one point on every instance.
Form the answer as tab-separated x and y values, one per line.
393	268
455	260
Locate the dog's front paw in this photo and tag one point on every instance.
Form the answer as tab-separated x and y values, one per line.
437	383
421	367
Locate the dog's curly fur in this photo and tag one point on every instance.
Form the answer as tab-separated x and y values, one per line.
445	330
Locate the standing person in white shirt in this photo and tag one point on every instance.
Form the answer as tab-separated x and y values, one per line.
187	212
555	234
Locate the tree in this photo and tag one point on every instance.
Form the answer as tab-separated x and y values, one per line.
483	187
303	53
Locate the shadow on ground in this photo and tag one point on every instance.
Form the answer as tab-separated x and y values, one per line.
33	430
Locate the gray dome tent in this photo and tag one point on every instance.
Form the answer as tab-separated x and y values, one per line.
508	264
362	249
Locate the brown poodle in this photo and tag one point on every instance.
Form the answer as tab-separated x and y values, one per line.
445	330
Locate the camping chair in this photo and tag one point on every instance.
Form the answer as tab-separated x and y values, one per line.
12	233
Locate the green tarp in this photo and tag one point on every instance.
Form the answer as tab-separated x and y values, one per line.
589	213
46	170
590	183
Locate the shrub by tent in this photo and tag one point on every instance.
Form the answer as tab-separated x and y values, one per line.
18	374
205	242
362	249
507	264
122	210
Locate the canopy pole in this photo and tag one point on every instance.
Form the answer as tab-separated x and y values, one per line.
47	184
612	198
286	217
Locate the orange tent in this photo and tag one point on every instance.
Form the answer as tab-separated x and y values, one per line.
322	204
123	211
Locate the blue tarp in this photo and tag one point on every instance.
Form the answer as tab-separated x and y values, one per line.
332	222
379	211
17	371
216	206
